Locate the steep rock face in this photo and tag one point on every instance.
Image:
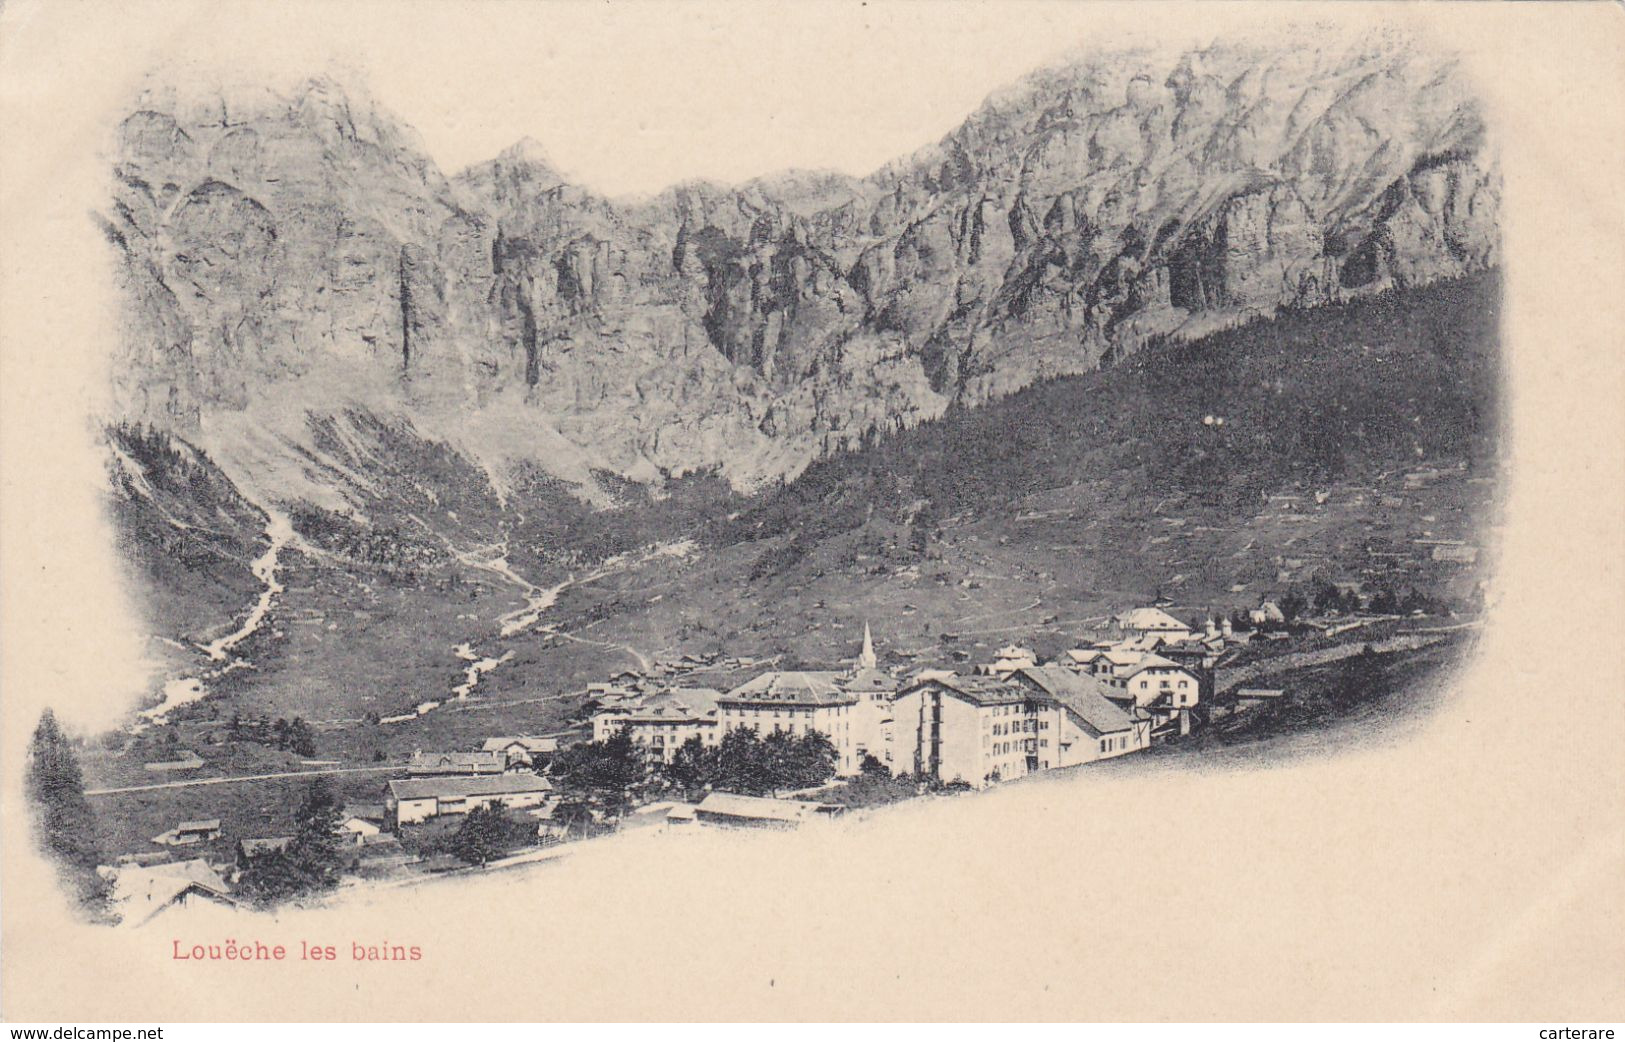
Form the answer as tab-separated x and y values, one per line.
276	229
301	253
1259	248
1437	221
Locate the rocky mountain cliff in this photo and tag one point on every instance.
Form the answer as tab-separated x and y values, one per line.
297	257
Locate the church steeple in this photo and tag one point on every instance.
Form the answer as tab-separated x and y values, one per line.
866	657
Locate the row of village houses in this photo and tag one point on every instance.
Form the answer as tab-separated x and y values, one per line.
141	887
1010	718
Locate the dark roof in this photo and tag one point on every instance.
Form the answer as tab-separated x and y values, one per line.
381	845
869	680
364	811
457	762
677	704
1149	619
1156	662
452	787
791	688
1085	698
977	690
529	743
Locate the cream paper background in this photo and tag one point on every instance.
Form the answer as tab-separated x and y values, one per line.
1470	866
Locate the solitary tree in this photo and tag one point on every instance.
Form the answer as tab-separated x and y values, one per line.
486	834
310	864
742	763
315	843
273	877
693	766
301	737
63	818
602	770
573	814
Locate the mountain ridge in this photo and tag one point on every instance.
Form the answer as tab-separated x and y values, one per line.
287	259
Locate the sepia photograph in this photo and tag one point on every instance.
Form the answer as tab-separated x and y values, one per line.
812	512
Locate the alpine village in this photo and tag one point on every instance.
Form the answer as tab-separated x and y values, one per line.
663	748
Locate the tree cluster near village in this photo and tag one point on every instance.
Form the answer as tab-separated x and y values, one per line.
1320	597
876	785
487	833
309	864
602	772
295	736
607	773
753	764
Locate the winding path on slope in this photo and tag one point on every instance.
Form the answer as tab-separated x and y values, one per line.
493	560
179	691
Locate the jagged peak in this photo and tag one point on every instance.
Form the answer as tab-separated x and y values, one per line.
801	179
214	100
326	84
526	159
529	151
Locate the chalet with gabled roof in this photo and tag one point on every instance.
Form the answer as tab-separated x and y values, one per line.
140	893
1142	622
1084	724
410	801
520	750
425	764
189	833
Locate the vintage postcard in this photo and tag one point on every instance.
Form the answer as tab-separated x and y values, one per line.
812	512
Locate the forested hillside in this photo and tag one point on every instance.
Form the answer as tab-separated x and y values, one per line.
1310	396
